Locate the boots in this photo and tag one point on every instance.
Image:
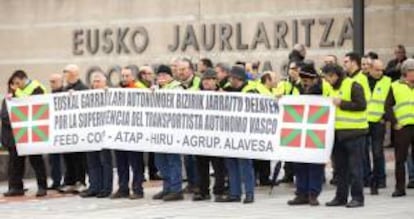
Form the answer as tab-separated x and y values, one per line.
313	200
299	200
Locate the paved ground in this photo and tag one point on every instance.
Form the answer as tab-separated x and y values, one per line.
266	206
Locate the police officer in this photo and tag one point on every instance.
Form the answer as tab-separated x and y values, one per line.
24	87
169	165
400	108
351	127
129	159
240	171
209	83
309	176
188	79
380	86
99	163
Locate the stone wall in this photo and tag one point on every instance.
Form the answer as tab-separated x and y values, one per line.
42	36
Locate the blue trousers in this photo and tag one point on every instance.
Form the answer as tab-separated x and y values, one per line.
169	166
191	169
240	171
55	161
348	165
100	171
124	160
309	178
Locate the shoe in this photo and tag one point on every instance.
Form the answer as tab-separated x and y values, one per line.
227	198
88	194
118	195
313	200
41	192
335	202
249	199
67	189
355	204
159	195
410	184
79	187
103	195
135	196
374	187
398	193
299	200
173	196
14	193
201	197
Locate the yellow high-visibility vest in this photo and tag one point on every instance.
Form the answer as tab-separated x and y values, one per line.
404	103
348	119
376	105
29	89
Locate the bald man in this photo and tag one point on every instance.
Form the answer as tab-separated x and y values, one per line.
56	85
380	86
99	162
75	163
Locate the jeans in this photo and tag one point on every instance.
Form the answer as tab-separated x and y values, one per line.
348	165
100	171
169	166
309	178
191	169
55	161
124	160
240	171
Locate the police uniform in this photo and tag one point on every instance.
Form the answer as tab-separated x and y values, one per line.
17	163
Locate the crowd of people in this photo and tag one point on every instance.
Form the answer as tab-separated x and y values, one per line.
369	98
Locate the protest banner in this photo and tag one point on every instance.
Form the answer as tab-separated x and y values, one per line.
186	122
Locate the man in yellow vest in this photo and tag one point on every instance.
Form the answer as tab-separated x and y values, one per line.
240	171
186	76
352	66
129	159
286	88
223	71
380	86
24	87
351	128
400	108
309	176
168	164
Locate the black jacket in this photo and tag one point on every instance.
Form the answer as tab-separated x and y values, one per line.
392	71
78	85
7	139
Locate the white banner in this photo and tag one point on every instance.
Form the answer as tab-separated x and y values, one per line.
297	128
